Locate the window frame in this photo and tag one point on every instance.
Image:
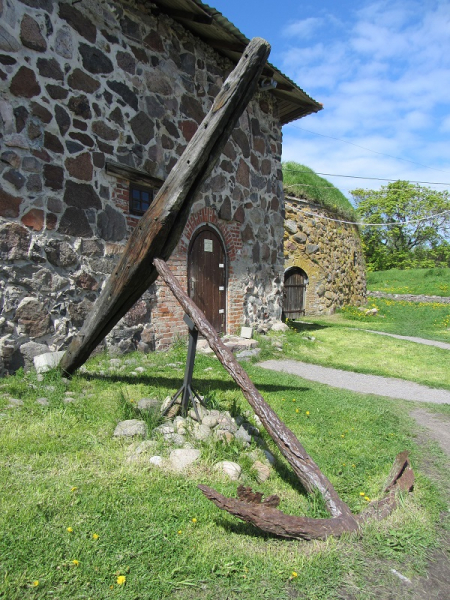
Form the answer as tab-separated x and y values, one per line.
138	212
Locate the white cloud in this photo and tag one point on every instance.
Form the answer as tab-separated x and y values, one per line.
304	28
384	79
445	125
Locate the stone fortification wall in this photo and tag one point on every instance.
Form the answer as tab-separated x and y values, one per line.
330	254
89	82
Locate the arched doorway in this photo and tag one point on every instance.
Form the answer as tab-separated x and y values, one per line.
294	295
207	276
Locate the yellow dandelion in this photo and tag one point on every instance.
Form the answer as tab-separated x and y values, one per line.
343	464
121	579
362	493
73	489
297	410
293	400
35	583
366	498
179	532
95	536
194	520
111	587
70	530
307	413
294	574
76	562
342	435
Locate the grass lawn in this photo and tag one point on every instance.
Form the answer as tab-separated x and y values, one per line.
429	282
79	521
333	342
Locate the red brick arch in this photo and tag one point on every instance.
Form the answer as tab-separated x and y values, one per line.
167	315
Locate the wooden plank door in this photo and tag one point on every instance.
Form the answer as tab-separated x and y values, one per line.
295	281
207	277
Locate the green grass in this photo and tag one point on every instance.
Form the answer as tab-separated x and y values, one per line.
302	182
429	320
60	467
338	345
429	282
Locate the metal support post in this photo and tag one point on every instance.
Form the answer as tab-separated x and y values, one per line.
186	389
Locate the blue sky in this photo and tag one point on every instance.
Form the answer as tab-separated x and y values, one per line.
381	68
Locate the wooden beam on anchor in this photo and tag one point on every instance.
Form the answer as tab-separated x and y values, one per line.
303	465
160	228
249	506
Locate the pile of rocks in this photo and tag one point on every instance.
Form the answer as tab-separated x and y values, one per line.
175	445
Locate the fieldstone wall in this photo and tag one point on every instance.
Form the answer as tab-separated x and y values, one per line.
329	252
89	82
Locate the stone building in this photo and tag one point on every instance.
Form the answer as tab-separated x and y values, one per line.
98	101
324	263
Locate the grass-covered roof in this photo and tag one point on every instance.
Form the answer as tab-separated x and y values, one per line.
301	182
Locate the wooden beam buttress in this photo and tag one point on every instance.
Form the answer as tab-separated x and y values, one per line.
160	228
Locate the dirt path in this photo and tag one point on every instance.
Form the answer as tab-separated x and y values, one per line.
438	427
416	340
359	382
410	297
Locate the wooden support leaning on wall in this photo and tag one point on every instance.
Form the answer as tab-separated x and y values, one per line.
160	228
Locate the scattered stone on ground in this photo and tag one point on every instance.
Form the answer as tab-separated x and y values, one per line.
232	342
130	428
262	470
14	403
368	312
48	360
182	458
149	404
201	431
248	354
280	326
42	401
187	433
228	468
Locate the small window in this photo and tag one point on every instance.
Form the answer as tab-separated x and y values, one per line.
140	198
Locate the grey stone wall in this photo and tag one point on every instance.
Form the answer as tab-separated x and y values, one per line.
330	253
90	82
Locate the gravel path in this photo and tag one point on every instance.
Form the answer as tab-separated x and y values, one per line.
410	297
417	340
358	382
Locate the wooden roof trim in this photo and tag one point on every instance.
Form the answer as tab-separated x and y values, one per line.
186	15
131	174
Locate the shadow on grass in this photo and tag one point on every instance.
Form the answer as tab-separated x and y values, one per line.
301	327
201	385
240	528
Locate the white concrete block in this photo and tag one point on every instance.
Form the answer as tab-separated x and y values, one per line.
47	361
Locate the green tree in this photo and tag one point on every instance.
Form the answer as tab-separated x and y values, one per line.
412	224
